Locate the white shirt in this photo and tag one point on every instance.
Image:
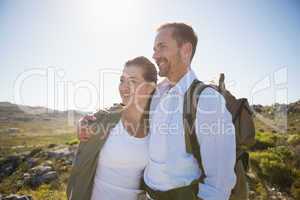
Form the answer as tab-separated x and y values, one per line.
121	165
170	166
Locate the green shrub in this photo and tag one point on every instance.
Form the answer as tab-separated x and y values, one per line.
259	191
73	142
293	139
282	153
45	192
295	190
275	166
264	140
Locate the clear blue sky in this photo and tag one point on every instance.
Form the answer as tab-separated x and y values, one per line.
53	52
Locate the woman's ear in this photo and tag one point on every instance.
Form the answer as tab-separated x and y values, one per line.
151	87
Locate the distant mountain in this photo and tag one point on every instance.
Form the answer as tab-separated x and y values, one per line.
13	112
290	108
278	117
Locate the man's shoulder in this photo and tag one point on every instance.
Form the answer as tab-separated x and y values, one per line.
210	98
210	91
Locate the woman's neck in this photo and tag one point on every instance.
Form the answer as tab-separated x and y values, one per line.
133	119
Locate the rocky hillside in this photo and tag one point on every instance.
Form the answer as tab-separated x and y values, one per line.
36	153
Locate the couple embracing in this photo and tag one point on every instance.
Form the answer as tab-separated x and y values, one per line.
144	148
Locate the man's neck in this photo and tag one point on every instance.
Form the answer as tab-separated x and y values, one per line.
175	77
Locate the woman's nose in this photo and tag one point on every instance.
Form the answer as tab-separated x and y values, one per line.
125	87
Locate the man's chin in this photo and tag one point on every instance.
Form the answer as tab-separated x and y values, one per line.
125	102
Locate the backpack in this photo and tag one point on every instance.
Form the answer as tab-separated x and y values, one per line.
242	118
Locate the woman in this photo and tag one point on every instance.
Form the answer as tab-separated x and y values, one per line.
109	165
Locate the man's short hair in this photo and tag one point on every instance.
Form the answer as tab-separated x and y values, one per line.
182	33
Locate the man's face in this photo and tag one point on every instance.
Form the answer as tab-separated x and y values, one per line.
166	52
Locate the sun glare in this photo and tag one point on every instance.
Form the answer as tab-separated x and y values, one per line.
109	12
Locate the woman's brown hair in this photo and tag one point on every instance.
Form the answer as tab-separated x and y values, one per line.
150	75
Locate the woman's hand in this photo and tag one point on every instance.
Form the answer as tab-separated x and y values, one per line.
84	132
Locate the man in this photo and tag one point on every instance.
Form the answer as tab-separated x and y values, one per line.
170	166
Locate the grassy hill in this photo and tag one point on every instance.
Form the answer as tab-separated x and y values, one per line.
29	137
36	151
275	158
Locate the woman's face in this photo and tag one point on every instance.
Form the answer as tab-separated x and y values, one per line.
133	88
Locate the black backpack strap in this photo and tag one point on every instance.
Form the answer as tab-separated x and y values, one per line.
191	99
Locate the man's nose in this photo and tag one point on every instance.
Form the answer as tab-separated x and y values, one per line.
155	55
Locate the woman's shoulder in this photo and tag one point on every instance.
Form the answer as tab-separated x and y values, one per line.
106	119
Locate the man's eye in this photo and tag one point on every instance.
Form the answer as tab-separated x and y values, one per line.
162	46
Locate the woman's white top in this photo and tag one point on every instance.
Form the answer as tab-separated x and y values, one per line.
121	164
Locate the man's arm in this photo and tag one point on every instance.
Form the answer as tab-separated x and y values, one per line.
216	136
84	132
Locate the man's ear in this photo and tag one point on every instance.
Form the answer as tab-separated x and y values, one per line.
186	51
